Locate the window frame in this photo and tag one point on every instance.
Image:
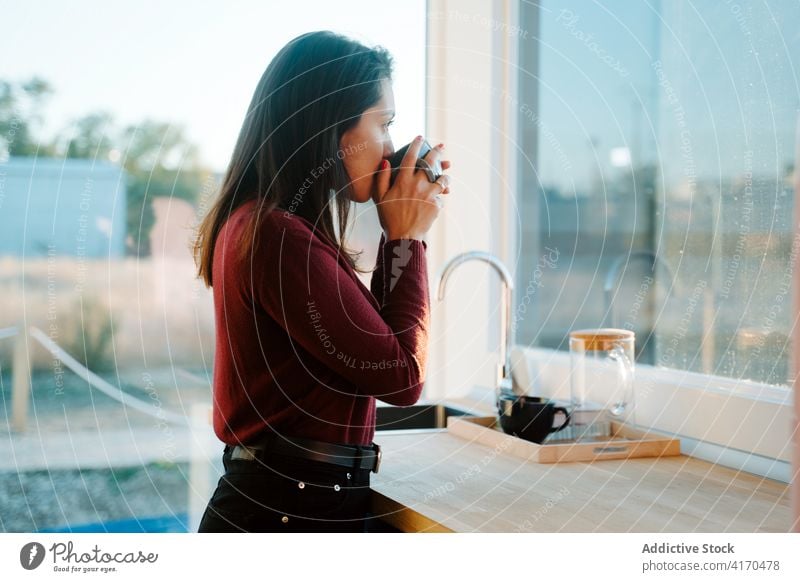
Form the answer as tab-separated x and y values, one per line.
747	446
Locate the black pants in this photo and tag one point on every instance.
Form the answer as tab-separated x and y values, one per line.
287	494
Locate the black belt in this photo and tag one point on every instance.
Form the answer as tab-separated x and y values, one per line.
351	456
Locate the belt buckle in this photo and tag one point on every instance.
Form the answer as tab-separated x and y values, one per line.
243	453
378	456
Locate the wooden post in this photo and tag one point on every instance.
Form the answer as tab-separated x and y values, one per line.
206	454
21	380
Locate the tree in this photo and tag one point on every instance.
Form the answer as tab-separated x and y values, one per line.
90	137
160	161
158	158
21	115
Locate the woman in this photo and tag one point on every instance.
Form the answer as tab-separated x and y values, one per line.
303	348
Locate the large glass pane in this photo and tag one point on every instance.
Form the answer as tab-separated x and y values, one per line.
663	178
115	129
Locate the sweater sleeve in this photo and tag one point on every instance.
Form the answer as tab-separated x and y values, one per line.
309	293
376	284
378	275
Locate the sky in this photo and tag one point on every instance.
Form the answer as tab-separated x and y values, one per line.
626	76
197	64
193	63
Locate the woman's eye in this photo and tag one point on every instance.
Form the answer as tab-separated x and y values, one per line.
388	123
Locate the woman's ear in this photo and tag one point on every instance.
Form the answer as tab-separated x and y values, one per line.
344	139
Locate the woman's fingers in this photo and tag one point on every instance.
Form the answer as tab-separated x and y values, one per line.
384	173
432	156
441	186
409	163
435	154
438	152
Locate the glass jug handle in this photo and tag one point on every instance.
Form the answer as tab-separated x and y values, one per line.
618	354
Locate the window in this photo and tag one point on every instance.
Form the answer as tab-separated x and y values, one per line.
658	180
105	168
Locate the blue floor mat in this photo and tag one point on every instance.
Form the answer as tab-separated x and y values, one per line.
177	523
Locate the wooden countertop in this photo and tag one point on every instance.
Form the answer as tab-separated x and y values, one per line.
434	481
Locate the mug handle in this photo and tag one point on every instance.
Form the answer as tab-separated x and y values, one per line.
557	409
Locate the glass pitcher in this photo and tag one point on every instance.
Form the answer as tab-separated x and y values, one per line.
601	380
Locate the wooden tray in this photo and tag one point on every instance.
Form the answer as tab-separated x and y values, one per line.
624	443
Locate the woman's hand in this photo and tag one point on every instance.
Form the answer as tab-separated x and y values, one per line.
437	152
408	208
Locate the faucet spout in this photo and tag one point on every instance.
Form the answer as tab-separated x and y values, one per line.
504	381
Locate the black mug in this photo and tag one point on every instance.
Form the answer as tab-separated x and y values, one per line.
530	417
432	171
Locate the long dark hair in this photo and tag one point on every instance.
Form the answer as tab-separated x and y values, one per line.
314	90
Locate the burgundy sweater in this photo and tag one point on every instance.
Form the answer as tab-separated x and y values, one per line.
303	348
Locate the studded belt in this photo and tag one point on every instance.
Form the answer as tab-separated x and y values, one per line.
351	456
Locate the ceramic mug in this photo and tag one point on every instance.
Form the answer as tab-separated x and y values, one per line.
530	417
433	172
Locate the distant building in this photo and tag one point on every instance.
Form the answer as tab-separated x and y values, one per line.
173	230
56	206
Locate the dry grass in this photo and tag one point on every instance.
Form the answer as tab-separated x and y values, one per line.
120	313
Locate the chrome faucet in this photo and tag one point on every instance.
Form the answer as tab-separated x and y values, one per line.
504	381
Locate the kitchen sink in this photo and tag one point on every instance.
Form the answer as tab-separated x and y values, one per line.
416	416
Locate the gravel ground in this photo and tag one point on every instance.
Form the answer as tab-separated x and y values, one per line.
42	499
36	500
